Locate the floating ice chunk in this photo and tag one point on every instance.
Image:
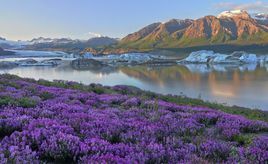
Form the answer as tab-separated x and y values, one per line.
88	55
248	58
127	57
137	57
200	56
217	58
221	58
263	59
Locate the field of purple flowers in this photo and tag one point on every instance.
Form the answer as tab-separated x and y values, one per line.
49	124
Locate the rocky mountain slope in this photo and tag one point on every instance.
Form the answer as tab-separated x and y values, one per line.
230	27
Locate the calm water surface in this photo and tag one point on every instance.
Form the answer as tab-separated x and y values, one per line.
234	85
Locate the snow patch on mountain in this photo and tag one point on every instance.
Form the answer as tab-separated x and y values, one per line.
41	40
260	16
232	13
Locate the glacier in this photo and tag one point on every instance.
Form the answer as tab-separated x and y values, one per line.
32	53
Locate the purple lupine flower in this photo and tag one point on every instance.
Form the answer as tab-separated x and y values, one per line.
84	127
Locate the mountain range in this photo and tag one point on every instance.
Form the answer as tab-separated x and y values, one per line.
69	45
58	44
234	30
230	27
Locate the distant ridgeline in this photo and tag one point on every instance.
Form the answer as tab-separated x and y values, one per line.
58	44
69	45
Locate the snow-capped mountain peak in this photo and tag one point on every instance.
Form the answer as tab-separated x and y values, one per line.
233	13
41	40
260	16
2	38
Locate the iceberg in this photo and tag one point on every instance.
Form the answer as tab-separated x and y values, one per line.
222	59
248	58
200	56
127	58
88	55
263	59
136	57
238	57
245	57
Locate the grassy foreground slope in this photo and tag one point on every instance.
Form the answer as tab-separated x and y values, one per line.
68	122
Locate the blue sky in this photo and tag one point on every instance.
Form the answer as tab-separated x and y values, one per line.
25	19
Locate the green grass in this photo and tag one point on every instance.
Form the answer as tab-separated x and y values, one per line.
22	102
26	102
244	139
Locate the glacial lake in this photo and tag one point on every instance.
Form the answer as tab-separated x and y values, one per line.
245	86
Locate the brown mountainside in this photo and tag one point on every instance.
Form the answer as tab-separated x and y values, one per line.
227	28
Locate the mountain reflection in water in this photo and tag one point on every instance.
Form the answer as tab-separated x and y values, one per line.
243	85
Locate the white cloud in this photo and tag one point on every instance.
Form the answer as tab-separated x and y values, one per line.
93	34
257	6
